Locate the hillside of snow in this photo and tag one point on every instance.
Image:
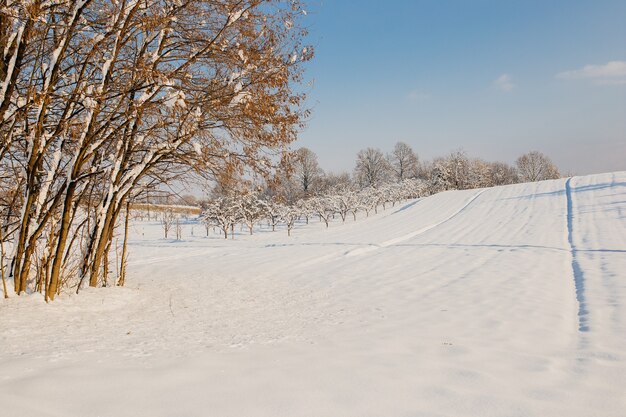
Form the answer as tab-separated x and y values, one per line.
507	301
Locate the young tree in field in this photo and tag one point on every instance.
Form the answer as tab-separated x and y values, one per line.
249	208
220	212
272	210
345	201
368	200
307	171
289	215
168	219
535	166
305	208
372	168
323	207
403	161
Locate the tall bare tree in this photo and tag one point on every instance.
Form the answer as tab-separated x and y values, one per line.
307	170
372	168
403	161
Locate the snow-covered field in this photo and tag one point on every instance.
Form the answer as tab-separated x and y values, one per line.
508	301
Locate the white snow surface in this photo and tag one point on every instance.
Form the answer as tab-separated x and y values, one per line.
508	301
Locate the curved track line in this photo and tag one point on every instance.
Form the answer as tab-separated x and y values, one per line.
411	235
579	282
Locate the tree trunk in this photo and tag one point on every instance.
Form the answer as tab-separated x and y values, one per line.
61	242
122	278
4	282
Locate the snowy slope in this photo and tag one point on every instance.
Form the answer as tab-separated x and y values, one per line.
507	301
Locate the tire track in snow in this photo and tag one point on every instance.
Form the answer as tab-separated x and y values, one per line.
579	279
404	238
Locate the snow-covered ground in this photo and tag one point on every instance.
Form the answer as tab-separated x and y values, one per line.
508	301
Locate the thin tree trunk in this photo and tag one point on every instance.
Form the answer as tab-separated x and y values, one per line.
122	279
61	242
4	282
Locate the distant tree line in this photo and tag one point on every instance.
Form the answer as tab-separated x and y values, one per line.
456	171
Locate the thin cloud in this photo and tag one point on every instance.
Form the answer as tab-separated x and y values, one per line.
504	83
611	73
417	95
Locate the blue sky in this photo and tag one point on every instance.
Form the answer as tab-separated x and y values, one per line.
496	78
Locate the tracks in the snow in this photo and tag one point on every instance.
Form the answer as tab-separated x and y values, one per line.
579	278
404	238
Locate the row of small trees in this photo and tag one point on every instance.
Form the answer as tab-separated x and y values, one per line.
252	207
100	100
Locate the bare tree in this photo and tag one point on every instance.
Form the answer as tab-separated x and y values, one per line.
307	170
168	218
372	168
535	166
403	161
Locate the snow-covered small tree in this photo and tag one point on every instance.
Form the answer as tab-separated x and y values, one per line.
413	188
249	208
344	201
369	199
289	215
272	211
323	207
220	212
305	208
